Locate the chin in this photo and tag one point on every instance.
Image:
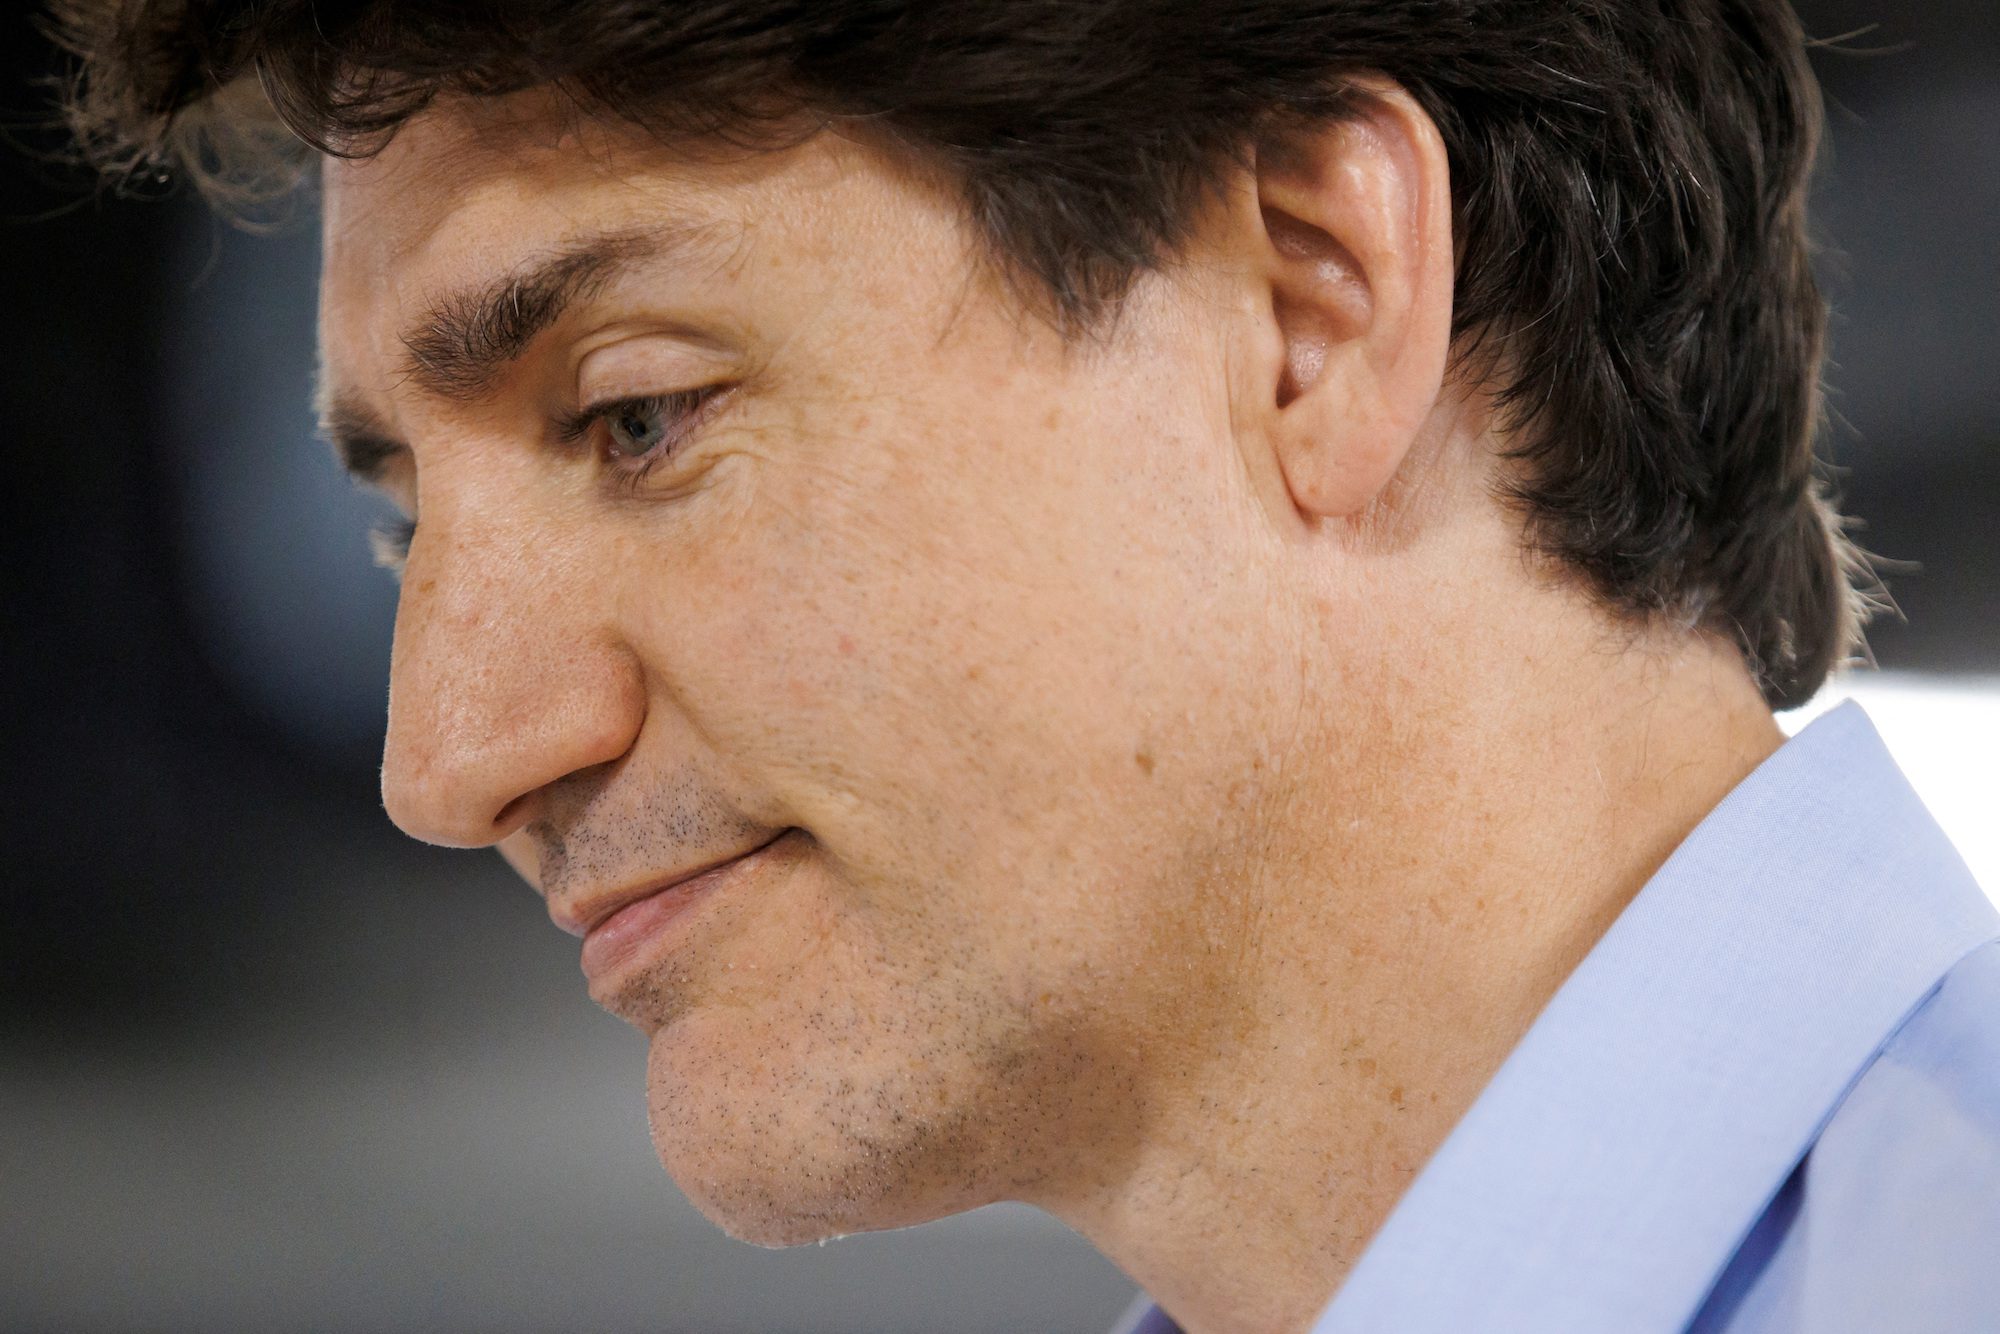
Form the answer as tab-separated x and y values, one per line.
761	1190
779	1163
763	1222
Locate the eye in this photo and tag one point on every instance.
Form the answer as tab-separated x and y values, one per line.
640	433
635	427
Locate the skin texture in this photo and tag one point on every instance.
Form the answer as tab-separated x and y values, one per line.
1200	786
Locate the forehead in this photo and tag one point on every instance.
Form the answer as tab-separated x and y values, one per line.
473	158
470	188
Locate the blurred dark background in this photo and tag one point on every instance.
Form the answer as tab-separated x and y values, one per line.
266	1064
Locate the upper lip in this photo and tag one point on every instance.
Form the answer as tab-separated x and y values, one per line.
583	916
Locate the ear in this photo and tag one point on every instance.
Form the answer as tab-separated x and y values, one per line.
1352	246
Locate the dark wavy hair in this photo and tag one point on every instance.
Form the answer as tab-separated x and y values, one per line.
1629	189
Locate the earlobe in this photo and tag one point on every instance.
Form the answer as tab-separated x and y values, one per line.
1356	248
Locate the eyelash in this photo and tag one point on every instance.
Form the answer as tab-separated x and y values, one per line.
683	409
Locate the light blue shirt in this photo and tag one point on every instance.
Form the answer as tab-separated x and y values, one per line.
1767	1102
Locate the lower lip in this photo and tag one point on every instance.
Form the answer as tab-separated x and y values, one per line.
638	924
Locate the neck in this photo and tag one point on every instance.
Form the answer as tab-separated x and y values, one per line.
1466	857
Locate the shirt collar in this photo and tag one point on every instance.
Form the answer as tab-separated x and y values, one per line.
1608	1171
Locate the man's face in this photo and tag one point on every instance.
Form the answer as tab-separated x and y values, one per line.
992	622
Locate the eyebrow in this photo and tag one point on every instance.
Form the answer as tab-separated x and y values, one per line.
467	337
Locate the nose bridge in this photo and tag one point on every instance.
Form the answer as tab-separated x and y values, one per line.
505	677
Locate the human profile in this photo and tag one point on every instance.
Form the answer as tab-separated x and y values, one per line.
1169	611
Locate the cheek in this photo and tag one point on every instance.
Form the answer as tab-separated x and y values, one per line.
980	650
809	622
780	652
746	621
807	692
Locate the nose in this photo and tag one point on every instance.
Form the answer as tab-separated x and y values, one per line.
505	676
